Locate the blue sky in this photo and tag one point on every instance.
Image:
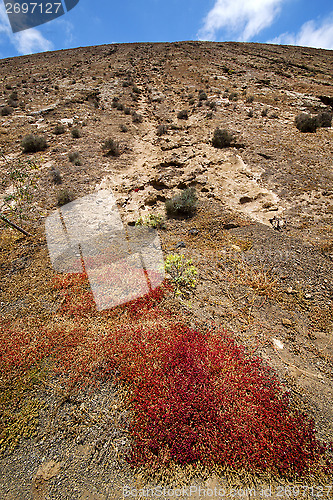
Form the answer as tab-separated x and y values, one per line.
95	22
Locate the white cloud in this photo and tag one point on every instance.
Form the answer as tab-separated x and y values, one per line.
241	19
311	34
27	41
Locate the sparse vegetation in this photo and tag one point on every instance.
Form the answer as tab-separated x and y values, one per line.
64	196
123	128
222	138
23	178
181	272
59	129
155	221
233	96
162	129
202	95
55	175
75	158
306	123
6	110
136	117
183	114
32	143
182	204
76	133
111	147
264	111
324	119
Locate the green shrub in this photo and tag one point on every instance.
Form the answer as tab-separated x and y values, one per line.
6	111
75	158
181	273
161	130
136	117
59	129
306	123
155	221
324	119
76	133
264	111
183	114
182	204
32	143
12	103
64	196
222	138
233	96
111	147
55	175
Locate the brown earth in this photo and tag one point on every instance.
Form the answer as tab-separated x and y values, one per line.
272	289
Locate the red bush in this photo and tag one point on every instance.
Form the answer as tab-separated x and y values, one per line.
207	402
195	397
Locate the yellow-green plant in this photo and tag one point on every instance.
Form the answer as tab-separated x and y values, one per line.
151	220
22	176
181	272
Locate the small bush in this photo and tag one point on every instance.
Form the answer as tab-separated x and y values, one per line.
202	96
14	96
182	204
75	158
250	113
191	101
120	106
123	128
222	138
324	119
136	117
76	133
6	111
64	196
161	130
59	129
55	175
155	221
249	99
181	273
183	114
136	89
233	96
264	111
32	143
111	147
306	123
127	111
12	103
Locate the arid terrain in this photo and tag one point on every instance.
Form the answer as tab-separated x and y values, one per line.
271	288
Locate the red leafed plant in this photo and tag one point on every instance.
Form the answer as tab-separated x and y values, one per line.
196	398
206	401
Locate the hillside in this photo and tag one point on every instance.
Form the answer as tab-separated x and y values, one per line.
271	289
